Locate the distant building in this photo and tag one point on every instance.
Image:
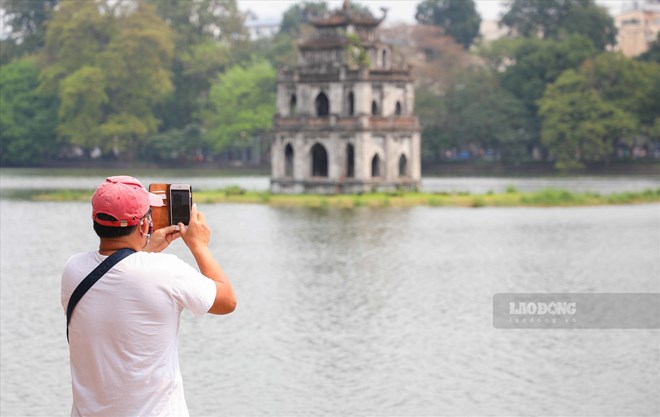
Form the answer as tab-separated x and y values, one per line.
342	127
490	30
259	29
637	28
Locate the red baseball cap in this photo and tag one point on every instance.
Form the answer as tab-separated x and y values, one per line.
123	198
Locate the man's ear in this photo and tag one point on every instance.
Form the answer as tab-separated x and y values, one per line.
143	226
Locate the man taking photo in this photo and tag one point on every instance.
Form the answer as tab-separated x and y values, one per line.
124	330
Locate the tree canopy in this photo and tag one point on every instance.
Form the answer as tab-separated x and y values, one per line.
27	118
653	53
538	63
241	104
180	79
608	101
300	14
578	124
109	66
458	18
207	36
553	19
27	20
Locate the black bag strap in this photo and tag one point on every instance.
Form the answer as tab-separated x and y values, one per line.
91	279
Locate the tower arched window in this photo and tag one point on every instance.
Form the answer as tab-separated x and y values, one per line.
350	161
374	108
397	109
375	166
319	161
322	105
288	161
292	104
403	166
351	104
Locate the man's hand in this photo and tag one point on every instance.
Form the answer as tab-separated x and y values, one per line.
197	234
162	238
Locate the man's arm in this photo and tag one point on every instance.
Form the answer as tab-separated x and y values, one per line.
197	236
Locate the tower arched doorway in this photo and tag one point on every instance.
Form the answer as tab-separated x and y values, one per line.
322	105
403	166
350	161
319	161
374	108
288	161
351	104
375	166
293	101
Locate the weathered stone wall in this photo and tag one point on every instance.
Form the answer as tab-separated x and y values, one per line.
378	122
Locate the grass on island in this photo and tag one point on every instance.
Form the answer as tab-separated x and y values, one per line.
548	197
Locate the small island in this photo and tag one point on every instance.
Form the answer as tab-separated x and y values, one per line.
548	197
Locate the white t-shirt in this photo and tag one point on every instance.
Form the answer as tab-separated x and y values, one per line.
124	333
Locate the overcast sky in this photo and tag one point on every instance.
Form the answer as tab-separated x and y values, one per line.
399	10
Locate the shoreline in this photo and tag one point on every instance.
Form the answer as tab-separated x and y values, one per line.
549	197
448	169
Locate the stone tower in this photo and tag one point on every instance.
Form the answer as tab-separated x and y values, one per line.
345	120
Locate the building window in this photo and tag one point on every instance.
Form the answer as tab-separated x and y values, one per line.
322	105
397	110
350	161
351	104
374	108
403	166
292	104
288	161
375	166
383	58
319	161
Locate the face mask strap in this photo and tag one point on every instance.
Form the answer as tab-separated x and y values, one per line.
147	217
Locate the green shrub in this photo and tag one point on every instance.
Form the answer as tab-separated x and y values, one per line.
478	202
234	190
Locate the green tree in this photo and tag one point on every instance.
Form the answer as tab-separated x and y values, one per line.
210	36
555	18
137	65
458	18
629	84
300	14
77	33
480	111
82	100
279	50
241	104
27	119
653	53
430	109
500	53
109	63
26	21
175	144
538	63
356	54
578	124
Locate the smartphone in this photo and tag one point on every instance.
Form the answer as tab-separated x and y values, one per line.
180	203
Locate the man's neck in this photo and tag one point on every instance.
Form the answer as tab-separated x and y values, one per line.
108	246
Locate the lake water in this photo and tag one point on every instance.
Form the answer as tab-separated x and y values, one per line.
18	179
363	311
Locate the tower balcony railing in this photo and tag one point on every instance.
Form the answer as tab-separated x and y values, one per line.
338	74
334	122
